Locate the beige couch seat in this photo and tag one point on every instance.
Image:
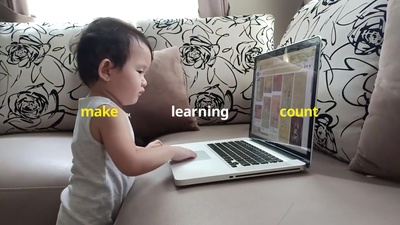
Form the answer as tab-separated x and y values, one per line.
35	168
328	193
33	152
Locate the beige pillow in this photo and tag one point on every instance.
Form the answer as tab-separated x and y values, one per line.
151	116
378	150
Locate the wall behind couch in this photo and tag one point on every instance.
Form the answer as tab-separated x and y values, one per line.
283	11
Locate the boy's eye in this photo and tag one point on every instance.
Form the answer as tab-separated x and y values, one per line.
140	72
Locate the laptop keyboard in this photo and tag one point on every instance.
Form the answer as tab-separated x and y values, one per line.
243	153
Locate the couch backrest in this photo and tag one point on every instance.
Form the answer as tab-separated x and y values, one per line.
39	89
38	84
217	56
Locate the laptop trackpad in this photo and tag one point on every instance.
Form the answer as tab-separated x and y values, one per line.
201	155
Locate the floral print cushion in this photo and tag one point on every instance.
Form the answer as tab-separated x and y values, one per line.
217	56
352	34
38	85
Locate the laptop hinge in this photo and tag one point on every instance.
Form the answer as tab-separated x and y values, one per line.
281	150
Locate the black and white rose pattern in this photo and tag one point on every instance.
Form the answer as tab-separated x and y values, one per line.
199	52
254	27
214	98
217	55
39	88
246	53
6	28
26	51
165	26
38	85
34	109
352	34
368	30
329	2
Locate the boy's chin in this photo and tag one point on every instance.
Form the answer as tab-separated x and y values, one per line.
134	101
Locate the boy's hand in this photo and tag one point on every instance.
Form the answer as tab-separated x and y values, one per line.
156	143
182	154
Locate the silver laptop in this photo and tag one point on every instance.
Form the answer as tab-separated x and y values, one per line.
282	122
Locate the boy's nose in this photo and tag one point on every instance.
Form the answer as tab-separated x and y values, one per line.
144	83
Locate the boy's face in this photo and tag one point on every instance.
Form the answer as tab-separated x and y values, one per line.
128	83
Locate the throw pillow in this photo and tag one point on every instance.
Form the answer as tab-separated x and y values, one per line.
218	59
378	149
152	115
38	85
352	34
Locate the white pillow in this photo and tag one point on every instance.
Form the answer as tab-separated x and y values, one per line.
352	34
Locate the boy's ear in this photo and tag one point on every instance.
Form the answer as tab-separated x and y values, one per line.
104	70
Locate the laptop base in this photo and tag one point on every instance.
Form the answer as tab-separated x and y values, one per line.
209	167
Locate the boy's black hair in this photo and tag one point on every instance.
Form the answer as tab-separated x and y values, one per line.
105	38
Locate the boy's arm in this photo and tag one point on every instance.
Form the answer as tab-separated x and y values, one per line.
116	136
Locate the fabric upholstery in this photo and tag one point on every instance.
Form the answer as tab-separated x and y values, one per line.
39	88
352	33
378	150
218	59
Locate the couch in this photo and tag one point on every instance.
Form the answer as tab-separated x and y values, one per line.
35	154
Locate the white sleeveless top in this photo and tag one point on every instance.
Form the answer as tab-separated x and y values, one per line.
97	188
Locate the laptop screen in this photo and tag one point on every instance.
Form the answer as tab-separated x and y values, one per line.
283	105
